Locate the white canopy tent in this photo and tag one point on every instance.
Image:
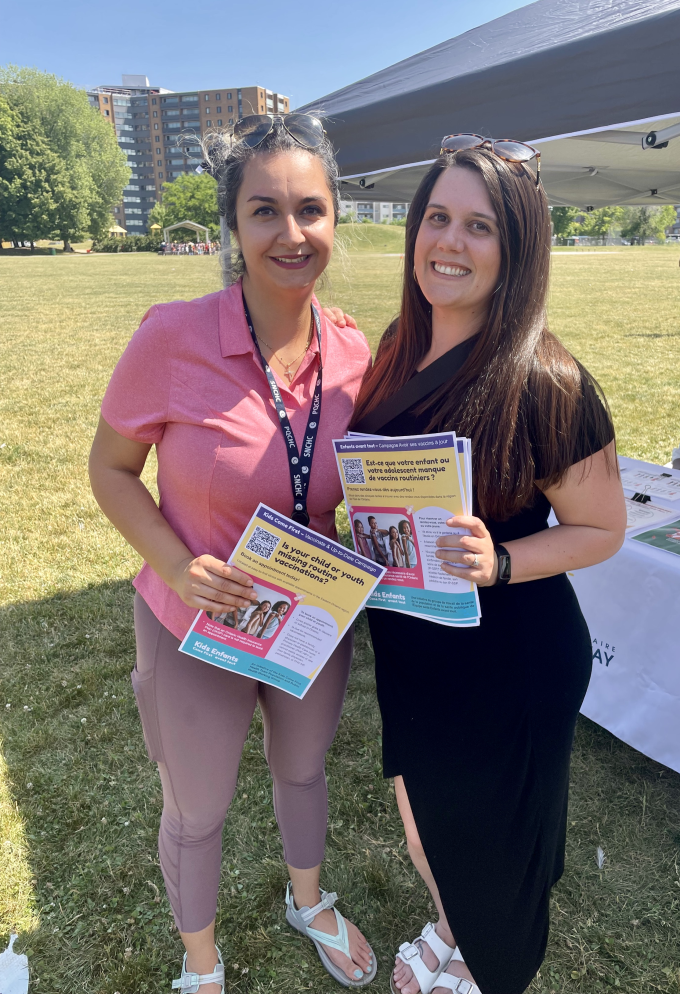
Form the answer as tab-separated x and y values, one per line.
586	81
192	225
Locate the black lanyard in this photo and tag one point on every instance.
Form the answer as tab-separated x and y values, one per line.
300	466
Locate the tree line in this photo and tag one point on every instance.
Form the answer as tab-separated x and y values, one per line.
635	224
61	170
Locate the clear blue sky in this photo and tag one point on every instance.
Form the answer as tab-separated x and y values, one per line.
304	49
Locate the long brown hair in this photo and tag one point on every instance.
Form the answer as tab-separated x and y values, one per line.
519	384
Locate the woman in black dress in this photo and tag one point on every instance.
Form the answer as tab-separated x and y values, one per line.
478	722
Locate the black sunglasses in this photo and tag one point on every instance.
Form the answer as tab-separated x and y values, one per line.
504	148
305	129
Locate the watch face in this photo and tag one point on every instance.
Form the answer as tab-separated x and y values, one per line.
504	567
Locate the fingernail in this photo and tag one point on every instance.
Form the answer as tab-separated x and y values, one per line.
358	974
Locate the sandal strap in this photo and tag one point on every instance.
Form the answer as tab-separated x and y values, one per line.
442	951
411	955
325	904
339	941
189	983
457	984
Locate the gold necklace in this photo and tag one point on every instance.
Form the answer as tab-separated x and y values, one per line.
286	365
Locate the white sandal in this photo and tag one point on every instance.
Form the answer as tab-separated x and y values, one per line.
412	956
459	985
189	983
300	918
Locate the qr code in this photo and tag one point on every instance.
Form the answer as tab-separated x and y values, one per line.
353	470
262	543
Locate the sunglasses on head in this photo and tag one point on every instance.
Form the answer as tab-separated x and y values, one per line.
303	128
504	148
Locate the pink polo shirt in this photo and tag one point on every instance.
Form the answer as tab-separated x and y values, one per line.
191	383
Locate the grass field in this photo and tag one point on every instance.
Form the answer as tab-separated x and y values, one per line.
79	802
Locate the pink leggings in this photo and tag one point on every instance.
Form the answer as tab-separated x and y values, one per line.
195	719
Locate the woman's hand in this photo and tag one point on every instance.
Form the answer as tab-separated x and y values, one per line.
339	318
208	584
462	549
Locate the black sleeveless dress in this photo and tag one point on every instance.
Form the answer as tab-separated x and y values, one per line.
480	723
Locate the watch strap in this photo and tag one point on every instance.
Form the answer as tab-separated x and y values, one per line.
504	565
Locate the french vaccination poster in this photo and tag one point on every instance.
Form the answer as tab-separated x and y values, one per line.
309	591
399	493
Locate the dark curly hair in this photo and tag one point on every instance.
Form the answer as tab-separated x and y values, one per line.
226	161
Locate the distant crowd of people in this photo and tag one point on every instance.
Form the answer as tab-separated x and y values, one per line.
189	248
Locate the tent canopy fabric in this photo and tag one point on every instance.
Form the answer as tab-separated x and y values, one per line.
552	69
117	230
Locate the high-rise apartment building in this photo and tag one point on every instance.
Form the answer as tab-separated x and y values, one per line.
149	122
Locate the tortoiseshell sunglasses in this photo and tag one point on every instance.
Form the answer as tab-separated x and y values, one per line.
504	148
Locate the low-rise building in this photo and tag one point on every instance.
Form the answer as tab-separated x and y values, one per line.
375	212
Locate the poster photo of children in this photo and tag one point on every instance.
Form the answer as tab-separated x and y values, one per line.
262	620
386	538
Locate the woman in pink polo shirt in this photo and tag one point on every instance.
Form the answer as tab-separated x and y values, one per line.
214	383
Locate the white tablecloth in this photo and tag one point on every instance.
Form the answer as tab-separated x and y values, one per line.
632	606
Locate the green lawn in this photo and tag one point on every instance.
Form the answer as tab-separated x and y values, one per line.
79	802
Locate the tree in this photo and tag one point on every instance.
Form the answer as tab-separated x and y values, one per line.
191	197
159	215
563	220
599	223
31	176
641	223
94	169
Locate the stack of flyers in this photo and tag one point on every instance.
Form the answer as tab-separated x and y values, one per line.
399	493
309	591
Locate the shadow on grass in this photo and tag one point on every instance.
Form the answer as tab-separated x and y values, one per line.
38	250
89	803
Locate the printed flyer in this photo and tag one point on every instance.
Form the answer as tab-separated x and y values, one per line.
309	589
666	538
655	484
399	494
644	515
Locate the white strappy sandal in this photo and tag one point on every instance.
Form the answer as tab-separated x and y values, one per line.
459	985
299	918
189	983
410	954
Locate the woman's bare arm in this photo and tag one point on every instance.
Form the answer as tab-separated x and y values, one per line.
589	505
202	582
